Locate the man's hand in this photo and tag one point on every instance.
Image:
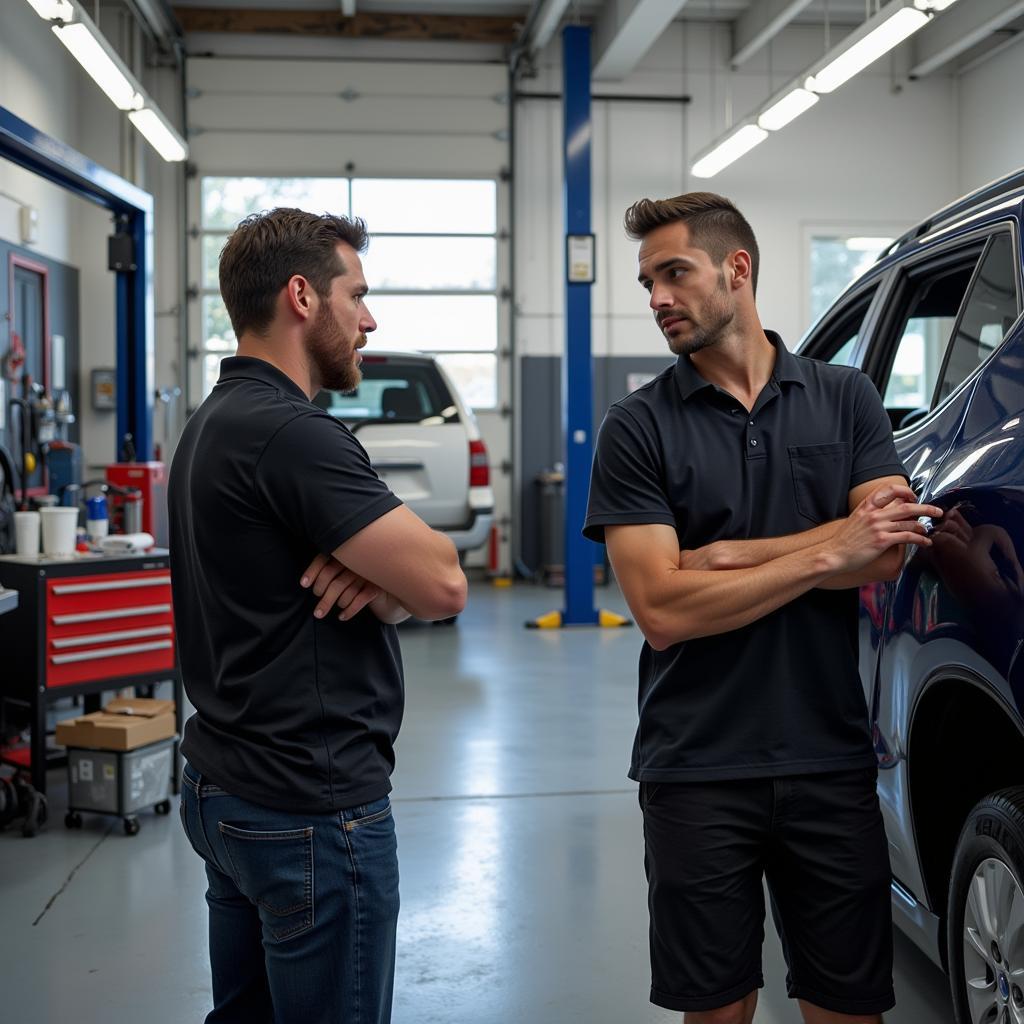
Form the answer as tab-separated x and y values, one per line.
886	518
334	584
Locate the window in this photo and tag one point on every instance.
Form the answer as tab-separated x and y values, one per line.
835	341
929	299
836	261
990	311
431	265
392	390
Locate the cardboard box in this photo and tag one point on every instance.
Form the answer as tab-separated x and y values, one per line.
124	724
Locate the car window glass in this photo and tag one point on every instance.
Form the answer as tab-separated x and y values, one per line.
390	391
991	309
836	342
924	334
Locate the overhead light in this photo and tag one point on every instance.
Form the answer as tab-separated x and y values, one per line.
892	28
730	149
100	64
52	10
791	106
921	5
159	134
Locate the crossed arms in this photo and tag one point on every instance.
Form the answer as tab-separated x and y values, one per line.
680	595
396	566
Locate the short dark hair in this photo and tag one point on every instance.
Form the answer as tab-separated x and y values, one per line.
716	226
268	248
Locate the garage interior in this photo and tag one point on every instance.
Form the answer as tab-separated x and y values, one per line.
444	126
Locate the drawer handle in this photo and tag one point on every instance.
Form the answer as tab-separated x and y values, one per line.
95	588
110	652
104	638
113	613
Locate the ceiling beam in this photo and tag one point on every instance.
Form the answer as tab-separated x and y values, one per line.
957	30
760	24
364	25
625	31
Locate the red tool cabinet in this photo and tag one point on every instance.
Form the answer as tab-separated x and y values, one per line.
85	626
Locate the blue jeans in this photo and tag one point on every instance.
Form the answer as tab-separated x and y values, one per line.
303	908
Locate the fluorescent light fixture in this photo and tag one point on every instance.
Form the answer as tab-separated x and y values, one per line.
52	10
100	64
730	149
159	134
921	5
889	33
791	106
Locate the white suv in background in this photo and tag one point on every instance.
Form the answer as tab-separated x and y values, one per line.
423	441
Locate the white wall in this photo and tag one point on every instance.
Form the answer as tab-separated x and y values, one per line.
991	143
866	157
41	83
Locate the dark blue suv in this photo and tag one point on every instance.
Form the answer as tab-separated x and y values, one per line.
937	325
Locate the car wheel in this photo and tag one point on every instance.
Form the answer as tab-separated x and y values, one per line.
985	916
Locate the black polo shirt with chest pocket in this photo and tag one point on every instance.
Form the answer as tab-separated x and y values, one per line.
782	695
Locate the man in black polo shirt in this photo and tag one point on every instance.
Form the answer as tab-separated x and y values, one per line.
744	495
298	692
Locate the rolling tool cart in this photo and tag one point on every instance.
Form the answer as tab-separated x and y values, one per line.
84	625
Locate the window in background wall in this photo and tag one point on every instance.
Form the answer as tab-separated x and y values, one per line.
431	265
835	262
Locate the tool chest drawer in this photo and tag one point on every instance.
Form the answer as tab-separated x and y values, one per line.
117	624
91	621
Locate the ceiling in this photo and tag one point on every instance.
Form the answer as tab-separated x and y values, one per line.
624	30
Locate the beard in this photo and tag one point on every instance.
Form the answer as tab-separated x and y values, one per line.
332	357
716	315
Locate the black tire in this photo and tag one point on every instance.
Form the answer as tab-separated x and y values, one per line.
131	826
35	818
991	846
164	807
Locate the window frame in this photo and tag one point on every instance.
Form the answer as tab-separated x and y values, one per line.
936	252
944	366
199	353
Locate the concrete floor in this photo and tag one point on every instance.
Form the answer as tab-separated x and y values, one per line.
519	839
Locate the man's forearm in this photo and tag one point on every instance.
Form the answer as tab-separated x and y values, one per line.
745	554
695	603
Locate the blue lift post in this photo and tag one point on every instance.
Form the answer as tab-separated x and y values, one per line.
52	159
577	365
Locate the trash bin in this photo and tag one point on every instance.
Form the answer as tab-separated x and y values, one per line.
551	498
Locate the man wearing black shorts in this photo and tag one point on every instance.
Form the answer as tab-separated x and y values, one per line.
744	495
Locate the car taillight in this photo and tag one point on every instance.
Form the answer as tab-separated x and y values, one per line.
479	466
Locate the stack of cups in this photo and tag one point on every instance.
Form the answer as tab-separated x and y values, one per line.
59	526
26	533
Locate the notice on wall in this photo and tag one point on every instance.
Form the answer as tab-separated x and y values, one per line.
579	259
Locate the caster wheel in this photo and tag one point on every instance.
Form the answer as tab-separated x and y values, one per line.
36	817
131	826
164	807
72	820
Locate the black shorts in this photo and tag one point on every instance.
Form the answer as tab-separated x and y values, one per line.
819	841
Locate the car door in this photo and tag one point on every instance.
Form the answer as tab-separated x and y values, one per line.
948	312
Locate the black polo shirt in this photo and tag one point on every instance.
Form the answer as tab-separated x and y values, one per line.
782	695
291	712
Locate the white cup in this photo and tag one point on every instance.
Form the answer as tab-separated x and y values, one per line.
59	525
26	533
